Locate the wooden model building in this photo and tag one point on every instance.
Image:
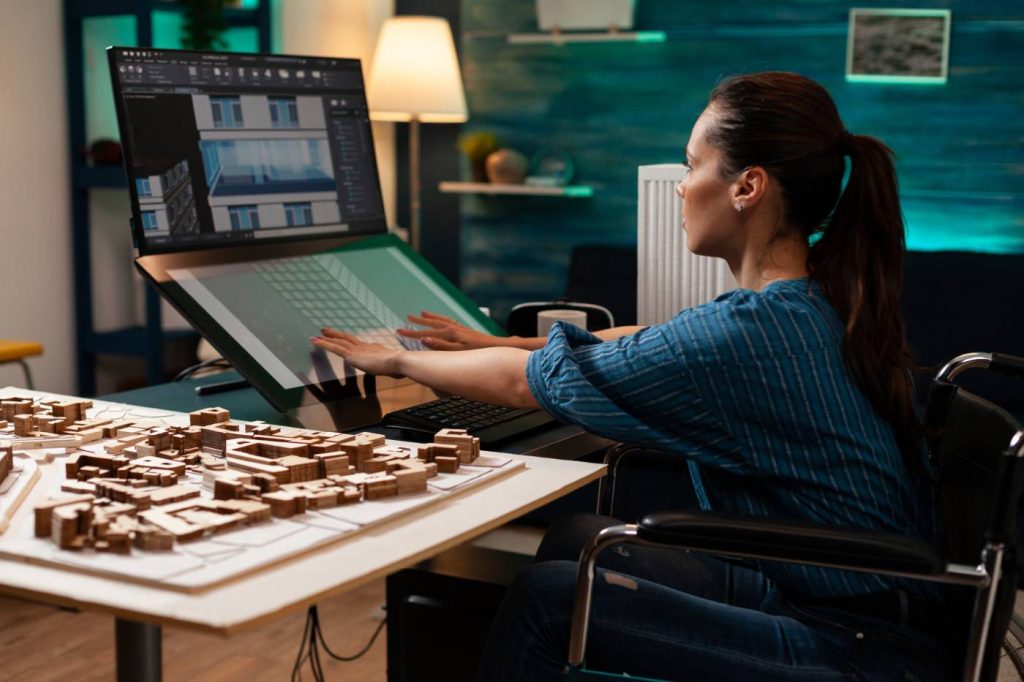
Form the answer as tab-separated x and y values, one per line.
48	425
16	480
142	485
6	462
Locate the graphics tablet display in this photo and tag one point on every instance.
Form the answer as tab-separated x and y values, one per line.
260	309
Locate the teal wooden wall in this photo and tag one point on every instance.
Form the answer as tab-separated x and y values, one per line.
615	106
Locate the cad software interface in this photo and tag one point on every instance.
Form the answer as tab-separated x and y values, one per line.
227	148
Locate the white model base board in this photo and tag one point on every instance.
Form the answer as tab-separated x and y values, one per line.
201	564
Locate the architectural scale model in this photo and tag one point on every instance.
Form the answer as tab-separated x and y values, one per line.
18	474
197	499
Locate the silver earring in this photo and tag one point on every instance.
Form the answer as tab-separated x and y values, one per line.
738	206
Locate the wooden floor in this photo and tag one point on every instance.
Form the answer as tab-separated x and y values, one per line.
45	644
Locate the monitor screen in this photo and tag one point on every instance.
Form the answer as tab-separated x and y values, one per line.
272	307
228	148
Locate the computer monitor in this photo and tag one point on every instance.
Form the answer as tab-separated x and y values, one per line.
224	149
258	215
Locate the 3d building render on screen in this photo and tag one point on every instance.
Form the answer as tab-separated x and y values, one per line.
267	161
235	148
167	202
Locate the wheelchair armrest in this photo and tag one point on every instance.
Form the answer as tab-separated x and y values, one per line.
792	541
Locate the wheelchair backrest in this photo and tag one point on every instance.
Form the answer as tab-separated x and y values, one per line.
967	438
978	493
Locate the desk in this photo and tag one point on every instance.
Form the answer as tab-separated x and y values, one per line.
294	584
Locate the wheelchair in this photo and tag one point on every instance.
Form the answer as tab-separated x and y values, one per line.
977	453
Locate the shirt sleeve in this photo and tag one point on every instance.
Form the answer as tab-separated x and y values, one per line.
636	389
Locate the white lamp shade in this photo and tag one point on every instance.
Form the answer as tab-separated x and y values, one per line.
415	73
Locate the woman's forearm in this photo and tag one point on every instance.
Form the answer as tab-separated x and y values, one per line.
494	375
617	332
537	342
526	343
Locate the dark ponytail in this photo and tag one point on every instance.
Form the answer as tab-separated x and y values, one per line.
858	260
788	125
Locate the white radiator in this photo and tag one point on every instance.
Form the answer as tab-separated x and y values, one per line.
670	277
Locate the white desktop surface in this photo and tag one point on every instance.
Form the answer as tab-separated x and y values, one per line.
300	582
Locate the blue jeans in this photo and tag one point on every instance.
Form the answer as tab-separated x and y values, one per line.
674	615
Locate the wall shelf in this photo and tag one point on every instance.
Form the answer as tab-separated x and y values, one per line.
570	191
100	176
587	37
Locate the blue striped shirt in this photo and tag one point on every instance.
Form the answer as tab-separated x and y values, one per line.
752	389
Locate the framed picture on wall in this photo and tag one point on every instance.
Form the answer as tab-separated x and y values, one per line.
898	45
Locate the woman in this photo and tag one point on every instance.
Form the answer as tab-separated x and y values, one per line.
790	397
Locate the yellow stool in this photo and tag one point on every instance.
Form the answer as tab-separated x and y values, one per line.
17	351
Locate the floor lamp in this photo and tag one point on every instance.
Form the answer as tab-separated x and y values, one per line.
415	78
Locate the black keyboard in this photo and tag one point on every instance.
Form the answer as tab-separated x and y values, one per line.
490	423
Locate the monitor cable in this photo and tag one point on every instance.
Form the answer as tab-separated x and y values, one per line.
205	364
313	640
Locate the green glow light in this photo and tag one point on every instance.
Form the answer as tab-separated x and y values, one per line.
579	191
650	36
938	221
902	80
97	34
963	228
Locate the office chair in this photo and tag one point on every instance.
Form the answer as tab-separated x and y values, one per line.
604	275
522	319
977	451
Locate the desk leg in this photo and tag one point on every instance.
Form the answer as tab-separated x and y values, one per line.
138	651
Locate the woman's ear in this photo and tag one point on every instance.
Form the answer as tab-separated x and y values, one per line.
750	187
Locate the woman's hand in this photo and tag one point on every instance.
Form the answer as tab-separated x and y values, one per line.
444	333
372	358
493	375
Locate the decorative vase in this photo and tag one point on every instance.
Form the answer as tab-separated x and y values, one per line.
506	167
478	169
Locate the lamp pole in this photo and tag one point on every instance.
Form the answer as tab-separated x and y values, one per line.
414	182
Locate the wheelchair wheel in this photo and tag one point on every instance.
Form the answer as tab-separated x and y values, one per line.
1013	647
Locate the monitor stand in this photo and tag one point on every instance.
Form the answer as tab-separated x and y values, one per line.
346	407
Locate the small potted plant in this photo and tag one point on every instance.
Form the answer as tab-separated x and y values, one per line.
204	24
477	146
